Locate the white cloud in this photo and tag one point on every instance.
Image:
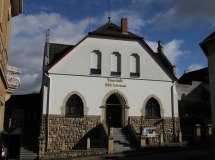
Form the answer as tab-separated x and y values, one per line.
27	43
194	67
172	49
183	12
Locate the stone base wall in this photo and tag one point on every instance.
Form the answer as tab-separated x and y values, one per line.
60	134
164	126
73	153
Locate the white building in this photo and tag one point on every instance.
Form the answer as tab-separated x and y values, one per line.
110	77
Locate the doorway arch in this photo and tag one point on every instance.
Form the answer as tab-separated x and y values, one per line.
115	109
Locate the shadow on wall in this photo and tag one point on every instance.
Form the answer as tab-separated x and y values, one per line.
97	139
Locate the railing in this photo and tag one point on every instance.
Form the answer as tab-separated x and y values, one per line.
133	133
105	128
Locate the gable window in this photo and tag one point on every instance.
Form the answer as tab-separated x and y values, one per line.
74	106
152	108
115	63
95	64
134	65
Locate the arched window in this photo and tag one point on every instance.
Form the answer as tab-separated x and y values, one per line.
74	106
152	108
135	65
115	63
95	63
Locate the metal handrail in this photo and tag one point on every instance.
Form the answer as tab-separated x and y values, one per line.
104	126
133	132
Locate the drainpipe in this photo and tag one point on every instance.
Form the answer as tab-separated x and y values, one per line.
46	83
174	96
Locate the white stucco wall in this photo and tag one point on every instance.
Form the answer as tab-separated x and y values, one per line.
72	73
78	60
94	89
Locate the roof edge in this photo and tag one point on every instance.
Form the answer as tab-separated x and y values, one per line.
52	65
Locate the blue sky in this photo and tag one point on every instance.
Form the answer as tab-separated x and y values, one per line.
180	24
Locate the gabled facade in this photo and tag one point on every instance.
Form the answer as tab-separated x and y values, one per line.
111	77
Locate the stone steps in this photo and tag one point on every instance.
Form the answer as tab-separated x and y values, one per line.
27	154
121	143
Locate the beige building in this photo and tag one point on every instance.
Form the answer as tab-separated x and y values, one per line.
9	80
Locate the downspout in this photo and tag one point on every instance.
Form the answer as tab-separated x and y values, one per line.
46	82
47	114
174	96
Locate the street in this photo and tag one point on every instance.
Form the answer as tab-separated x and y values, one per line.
181	154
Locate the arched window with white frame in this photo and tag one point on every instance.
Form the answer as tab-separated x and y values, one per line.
95	63
115	63
134	65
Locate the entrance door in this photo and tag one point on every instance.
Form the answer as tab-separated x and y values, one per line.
114	111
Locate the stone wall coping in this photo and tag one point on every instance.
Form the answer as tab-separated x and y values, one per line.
144	118
63	116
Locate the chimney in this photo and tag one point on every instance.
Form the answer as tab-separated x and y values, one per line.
124	25
160	47
174	70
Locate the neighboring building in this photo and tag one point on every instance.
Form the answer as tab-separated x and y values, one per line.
24	113
194	101
8	9
110	78
208	46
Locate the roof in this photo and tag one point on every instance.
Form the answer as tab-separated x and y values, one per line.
56	51
209	38
165	61
204	44
198	75
112	30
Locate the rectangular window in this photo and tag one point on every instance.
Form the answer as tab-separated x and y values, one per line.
134	65
95	62
115	63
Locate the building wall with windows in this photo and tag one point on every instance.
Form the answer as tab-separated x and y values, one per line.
8	9
78	77
111	78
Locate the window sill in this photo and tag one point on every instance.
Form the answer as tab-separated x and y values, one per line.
135	75
115	74
95	71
